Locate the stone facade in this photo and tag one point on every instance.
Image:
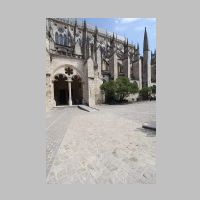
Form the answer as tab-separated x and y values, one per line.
79	58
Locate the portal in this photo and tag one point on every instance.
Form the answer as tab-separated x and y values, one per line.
77	90
61	90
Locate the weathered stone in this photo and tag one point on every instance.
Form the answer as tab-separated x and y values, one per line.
92	56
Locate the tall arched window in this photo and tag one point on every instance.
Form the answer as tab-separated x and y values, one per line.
120	67
56	38
61	39
65	40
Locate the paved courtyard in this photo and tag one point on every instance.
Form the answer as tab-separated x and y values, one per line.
108	146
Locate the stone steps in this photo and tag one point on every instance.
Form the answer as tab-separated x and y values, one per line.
87	108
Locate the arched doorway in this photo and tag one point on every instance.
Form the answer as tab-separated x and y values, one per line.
77	90
61	94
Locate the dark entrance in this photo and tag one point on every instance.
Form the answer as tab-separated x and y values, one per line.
62	97
77	90
61	90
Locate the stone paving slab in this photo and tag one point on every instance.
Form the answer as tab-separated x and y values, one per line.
56	125
106	147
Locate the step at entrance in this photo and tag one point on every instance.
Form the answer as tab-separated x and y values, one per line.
87	108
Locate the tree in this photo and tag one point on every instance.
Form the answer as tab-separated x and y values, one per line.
124	88
118	90
109	88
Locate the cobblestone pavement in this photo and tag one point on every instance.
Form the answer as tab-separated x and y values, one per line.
107	146
57	121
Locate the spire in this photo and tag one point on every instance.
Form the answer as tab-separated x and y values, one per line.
84	24
75	26
75	22
113	39
127	42
96	30
124	41
145	44
138	46
84	40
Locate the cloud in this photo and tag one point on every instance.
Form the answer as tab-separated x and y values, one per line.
127	25
130	20
122	23
126	20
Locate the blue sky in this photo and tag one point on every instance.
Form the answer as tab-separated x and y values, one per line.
132	28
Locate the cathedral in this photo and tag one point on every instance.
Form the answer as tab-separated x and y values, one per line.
80	57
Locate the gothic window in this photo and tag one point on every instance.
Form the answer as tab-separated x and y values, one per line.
103	65
65	40
92	51
61	39
56	38
60	30
107	66
69	39
120	68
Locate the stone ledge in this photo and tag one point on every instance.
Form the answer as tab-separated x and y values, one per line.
87	108
149	125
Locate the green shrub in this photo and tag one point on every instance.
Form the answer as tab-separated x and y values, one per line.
145	93
124	88
153	89
118	90
109	88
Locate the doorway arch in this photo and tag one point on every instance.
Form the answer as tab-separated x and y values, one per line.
77	90
61	93
63	84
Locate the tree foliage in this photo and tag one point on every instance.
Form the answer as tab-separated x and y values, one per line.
118	90
145	93
109	88
153	89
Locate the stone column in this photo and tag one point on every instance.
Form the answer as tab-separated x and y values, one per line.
69	80
140	73
52	94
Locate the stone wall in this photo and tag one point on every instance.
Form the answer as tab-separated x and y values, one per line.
153	73
136	70
85	52
91	82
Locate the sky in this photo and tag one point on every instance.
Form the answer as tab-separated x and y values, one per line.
132	28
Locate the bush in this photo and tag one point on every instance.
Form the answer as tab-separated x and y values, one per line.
117	91
153	89
124	88
145	93
109	88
